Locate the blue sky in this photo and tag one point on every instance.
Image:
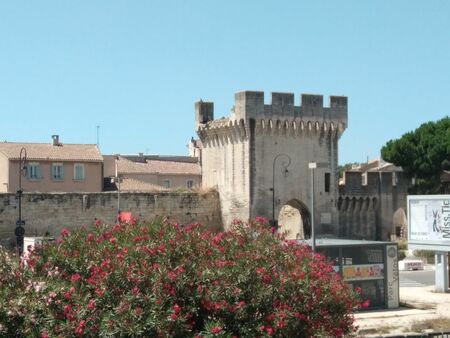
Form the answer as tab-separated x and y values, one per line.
135	68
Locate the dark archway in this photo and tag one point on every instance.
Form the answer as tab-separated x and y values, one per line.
295	220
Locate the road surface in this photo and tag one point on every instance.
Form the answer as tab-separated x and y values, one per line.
417	278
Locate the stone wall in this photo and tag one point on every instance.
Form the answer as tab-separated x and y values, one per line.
50	212
368	201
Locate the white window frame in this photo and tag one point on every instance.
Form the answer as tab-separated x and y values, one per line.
364	178
79	165
394	178
166	183
34	173
57	175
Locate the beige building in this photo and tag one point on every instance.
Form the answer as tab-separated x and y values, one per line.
151	173
51	167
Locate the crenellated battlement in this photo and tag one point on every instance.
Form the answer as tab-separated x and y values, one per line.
250	105
281	117
357	183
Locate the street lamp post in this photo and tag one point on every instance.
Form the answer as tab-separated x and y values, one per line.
312	166
20	229
285	164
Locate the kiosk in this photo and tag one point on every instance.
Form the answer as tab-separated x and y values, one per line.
371	266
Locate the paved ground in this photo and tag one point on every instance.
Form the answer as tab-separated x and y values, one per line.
420	303
417	278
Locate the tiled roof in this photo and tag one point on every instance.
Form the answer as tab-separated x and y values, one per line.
376	165
151	166
130	184
47	151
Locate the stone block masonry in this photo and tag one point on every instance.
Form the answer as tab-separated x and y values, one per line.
51	212
240	157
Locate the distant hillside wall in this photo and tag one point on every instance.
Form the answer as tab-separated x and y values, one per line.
51	212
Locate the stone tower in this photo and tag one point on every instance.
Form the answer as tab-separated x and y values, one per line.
258	157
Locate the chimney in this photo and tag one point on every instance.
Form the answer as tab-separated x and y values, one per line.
55	140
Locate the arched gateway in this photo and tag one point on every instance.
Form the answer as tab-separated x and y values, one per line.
241	157
295	220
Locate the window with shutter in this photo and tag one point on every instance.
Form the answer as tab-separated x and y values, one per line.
57	172
34	171
78	172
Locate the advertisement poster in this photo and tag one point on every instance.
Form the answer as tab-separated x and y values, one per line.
363	272
429	218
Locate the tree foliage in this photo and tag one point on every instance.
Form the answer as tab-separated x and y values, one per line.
423	154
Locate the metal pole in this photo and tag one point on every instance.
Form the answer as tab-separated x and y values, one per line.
118	198
313	237
118	186
20	229
273	192
98	138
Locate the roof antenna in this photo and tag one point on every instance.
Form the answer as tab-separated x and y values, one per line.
98	139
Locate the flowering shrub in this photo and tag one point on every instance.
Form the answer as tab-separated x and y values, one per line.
164	280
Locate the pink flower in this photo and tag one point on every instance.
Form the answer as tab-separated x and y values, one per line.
171	275
44	334
261	220
137	311
173	316
91	304
75	277
79	330
176	309
365	304
216	329
90	237
64	232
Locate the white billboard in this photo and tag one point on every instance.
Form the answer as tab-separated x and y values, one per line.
429	222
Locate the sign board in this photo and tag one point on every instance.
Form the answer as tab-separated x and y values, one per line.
362	272
429	222
410	265
20	223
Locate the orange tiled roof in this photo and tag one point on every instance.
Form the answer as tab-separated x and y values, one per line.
154	166
47	151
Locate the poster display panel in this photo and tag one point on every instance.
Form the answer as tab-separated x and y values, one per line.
363	272
429	222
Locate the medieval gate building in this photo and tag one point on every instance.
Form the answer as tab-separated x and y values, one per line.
258	158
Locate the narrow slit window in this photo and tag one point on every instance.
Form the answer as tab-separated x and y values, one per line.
327	182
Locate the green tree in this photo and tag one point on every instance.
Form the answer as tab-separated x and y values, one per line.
423	154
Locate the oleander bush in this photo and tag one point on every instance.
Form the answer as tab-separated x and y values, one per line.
160	279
